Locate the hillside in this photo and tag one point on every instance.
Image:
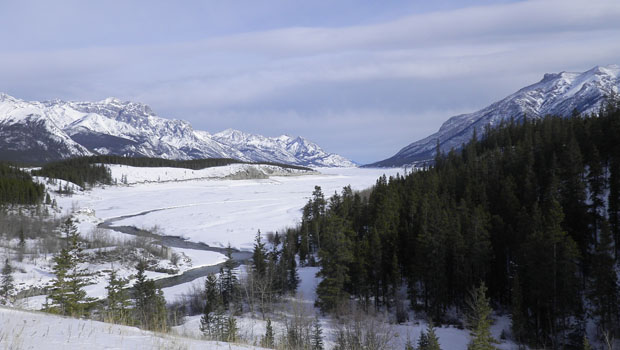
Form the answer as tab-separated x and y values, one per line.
560	94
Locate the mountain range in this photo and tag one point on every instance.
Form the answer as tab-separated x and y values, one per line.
37	132
556	94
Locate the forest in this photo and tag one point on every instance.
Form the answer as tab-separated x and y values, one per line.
17	187
531	209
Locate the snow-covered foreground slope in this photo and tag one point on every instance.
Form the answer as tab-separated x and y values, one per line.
33	330
218	212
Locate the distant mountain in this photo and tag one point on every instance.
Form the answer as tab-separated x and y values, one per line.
53	130
557	94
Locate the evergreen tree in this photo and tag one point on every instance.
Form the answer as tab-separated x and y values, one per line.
604	286
149	300
117	299
269	338
67	294
519	321
259	256
6	282
479	321
586	343
213	302
317	335
21	245
335	256
228	279
428	340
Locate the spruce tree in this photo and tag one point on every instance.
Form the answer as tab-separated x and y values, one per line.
269	338
428	340
335	256
228	279
213	301
604	289
479	321
117	299
67	294
6	282
259	256
317	335
149	300
519	321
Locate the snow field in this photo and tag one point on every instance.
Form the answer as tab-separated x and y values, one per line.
134	175
33	330
218	212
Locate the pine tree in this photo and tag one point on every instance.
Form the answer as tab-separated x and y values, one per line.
150	302
586	343
479	320
519	321
6	282
67	294
231	329
117	299
604	286
428	340
213	301
228	279
335	256
259	256
268	339
21	245
317	335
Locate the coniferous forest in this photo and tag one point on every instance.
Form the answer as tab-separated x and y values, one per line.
531	209
17	187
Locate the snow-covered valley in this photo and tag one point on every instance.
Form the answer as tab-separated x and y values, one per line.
208	206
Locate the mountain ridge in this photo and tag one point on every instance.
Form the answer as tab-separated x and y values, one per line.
113	126
556	93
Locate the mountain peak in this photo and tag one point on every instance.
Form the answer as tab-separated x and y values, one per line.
556	94
112	126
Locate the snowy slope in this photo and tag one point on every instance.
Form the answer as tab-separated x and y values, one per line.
557	94
35	330
59	129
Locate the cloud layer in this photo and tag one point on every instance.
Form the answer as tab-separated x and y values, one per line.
361	85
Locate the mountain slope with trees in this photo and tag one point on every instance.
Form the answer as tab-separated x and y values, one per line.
531	209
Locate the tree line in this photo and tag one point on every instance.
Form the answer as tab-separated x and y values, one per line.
91	170
531	209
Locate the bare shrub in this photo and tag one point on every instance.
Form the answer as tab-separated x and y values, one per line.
356	329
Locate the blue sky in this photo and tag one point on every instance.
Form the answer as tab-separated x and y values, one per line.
360	78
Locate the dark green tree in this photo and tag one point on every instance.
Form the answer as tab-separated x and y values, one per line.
6	282
335	255
150	303
269	338
67	295
117	300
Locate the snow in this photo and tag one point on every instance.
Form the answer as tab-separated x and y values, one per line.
150	135
218	212
134	175
33	330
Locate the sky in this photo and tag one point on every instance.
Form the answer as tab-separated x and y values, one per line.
360	78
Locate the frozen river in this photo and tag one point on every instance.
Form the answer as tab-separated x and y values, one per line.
218	212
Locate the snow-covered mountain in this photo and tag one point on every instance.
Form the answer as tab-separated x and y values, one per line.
51	130
556	94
